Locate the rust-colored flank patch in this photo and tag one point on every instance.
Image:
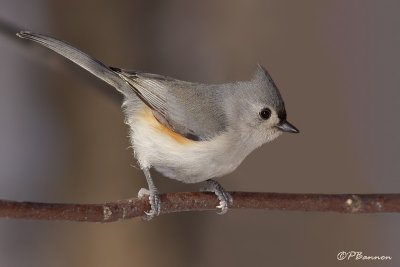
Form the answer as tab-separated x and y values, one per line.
148	116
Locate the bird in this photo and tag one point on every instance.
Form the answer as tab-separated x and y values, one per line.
191	132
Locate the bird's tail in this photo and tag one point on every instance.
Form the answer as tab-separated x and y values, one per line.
87	62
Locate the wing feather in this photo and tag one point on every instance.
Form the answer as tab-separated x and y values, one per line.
189	109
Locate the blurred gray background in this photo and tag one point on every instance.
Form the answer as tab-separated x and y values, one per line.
62	136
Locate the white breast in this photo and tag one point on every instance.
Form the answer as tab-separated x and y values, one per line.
179	158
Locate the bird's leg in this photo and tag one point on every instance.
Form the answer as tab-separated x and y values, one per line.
225	199
152	192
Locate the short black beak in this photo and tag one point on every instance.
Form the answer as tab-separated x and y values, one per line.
286	127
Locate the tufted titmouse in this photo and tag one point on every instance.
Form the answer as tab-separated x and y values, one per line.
190	132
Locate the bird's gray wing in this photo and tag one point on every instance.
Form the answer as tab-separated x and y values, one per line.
190	109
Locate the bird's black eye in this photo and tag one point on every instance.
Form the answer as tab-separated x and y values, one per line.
265	113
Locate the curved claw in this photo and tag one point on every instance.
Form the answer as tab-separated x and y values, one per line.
223	205
155	203
154	198
225	199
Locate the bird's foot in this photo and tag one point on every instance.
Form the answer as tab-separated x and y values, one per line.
225	199
154	200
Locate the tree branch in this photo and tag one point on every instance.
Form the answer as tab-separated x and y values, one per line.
199	201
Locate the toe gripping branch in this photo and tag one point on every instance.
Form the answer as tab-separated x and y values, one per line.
154	198
225	199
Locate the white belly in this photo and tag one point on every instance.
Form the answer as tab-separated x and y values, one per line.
179	158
